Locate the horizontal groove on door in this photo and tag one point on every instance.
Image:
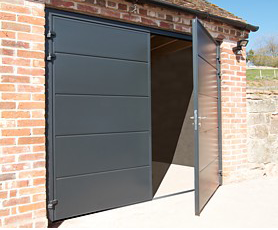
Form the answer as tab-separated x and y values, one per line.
202	94
102	57
98	95
102	172
92	134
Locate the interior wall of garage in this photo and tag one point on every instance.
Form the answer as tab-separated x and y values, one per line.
172	130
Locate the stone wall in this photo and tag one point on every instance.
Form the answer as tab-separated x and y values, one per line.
262	118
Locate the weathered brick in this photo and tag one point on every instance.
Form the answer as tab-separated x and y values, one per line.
16	149
15	79
11	43
15	167
16	61
30	140
7	52
122	6
62	3
7	159
30	88
6	69
38	12
38	131
31	20
39	148
7	176
6	87
31	207
7	105
37	189
11	220
16	132
7	16
31	157
16	26
39	164
16	96
38	114
39	181
30	54
4	212
18	184
31	105
38	30
15	114
31	37
26	123
7	34
15	8
7	141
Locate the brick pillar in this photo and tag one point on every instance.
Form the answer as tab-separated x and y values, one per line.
234	114
22	125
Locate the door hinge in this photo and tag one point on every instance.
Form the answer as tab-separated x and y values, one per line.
52	204
50	34
220	173
219	75
50	57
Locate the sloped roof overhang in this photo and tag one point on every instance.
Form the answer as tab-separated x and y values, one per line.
202	14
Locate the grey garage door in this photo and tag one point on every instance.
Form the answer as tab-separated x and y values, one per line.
98	116
207	124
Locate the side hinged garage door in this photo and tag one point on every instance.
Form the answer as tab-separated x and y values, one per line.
99	147
207	115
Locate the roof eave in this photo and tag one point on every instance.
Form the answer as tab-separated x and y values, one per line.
236	23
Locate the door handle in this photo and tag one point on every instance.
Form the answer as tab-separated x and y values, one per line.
201	118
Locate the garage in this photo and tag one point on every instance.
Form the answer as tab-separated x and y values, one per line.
125	103
110	104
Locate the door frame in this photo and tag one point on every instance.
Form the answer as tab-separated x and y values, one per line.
49	84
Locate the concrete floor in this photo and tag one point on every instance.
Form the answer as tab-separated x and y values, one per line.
248	204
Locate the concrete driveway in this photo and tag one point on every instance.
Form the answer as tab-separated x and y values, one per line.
247	204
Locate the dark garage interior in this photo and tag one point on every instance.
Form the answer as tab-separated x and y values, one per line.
172	107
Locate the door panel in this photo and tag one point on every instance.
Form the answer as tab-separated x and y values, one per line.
206	115
71	77
209	182
81	37
99	140
101	114
99	191
207	80
206	46
94	154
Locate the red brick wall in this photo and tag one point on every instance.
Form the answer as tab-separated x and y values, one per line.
234	113
22	126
